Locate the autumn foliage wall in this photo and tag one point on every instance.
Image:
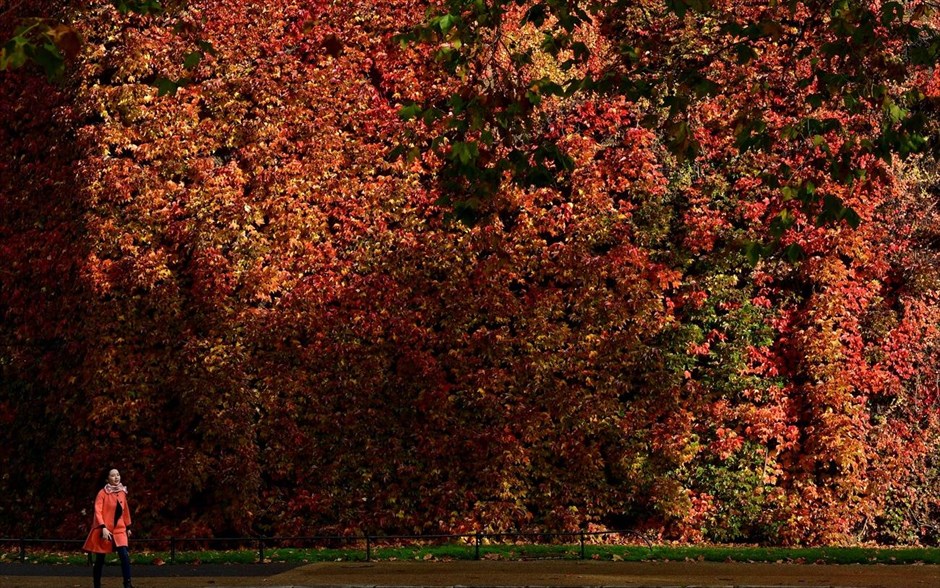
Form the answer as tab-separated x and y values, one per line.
237	295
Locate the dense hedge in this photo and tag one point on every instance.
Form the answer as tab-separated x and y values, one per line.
236	293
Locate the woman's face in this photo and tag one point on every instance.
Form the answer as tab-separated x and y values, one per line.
114	477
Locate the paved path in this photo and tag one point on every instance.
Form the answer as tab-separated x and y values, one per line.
483	573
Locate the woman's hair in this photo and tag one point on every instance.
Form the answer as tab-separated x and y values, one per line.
101	480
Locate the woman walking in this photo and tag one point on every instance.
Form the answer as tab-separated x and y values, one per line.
109	528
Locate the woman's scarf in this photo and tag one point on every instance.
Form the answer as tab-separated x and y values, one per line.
115	488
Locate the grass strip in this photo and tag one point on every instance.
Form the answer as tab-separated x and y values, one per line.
516	552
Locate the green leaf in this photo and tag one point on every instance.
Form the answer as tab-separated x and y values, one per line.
456	103
13	54
165	86
789	132
467	211
851	217
466	152
681	142
522	57
744	53
409	112
192	59
704	87
794	252
544	87
834	48
891	11
783	221
913	143
832	210
630	52
446	22
815	100
553	44
752	135
682	7
536	15
432	114
138	6
581	51
753	251
396	152
207	47
925	52
49	58
552	153
446	55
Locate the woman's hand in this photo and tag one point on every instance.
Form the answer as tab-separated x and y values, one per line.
105	534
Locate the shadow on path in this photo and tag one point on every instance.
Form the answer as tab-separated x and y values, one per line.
484	573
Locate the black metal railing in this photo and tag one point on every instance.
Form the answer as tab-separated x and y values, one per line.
365	542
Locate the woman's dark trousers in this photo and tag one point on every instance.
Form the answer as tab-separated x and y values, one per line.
125	567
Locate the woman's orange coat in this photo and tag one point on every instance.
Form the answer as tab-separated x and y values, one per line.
105	507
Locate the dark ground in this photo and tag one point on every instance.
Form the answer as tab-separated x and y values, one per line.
482	573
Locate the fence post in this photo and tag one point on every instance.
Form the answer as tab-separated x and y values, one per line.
261	549
582	544
172	550
22	550
368	547
479	538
